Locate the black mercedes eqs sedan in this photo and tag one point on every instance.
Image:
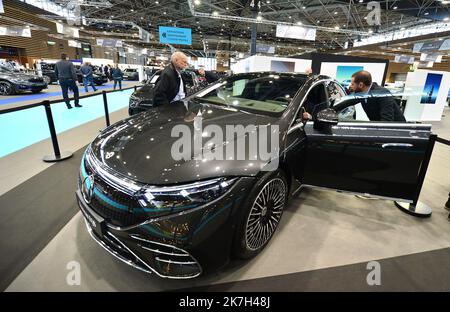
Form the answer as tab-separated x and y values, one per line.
179	217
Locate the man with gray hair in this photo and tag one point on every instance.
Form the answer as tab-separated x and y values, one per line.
170	87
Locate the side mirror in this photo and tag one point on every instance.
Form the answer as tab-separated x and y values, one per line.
325	120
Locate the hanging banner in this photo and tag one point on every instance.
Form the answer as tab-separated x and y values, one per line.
264	48
73	43
68	31
110	43
144	35
175	35
430	46
404	59
15	31
2	10
296	32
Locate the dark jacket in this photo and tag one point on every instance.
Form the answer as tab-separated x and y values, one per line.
381	106
117	74
86	71
65	70
167	86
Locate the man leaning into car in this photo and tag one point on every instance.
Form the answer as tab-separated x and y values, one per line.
170	87
379	104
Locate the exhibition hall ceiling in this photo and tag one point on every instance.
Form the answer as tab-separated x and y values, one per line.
225	25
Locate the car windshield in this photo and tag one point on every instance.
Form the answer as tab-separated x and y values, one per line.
268	93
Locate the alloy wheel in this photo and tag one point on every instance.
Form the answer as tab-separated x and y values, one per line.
265	214
5	88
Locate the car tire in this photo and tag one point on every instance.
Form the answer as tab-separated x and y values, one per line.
259	218
47	79
6	88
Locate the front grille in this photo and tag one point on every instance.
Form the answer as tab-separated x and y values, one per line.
37	79
113	205
169	260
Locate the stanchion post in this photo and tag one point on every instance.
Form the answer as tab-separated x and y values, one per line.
135	88
58	156
105	104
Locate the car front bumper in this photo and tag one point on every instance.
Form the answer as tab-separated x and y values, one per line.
27	86
178	246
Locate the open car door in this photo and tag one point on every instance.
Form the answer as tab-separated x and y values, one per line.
387	160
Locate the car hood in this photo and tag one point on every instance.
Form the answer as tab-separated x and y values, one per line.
145	92
140	147
18	75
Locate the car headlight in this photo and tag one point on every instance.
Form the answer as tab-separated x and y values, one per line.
134	101
169	199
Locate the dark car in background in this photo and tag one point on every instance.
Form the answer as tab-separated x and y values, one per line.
142	98
130	74
13	82
48	72
179	218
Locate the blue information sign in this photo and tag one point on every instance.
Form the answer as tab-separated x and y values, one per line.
175	35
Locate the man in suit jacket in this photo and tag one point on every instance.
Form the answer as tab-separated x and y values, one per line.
379	105
170	87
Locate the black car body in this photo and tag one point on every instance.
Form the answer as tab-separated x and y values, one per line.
142	99
48	72
130	74
13	82
180	218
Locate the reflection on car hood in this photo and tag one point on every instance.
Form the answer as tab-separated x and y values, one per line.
140	146
18	75
145	92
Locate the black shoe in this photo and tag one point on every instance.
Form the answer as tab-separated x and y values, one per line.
78	105
447	205
95	90
69	106
448	218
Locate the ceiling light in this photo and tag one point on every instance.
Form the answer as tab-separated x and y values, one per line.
299	23
426	13
290	16
215	13
446	19
361	1
371	31
303	7
335	12
156	2
259	17
197	2
395	8
227	8
336	27
403	28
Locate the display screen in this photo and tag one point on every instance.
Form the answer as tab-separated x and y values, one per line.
344	73
282	67
175	35
431	89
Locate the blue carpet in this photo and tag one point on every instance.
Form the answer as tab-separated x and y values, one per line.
43	96
23	128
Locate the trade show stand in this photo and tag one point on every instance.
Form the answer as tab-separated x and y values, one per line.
426	94
341	67
257	63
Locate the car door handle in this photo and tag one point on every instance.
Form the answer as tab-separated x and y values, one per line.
405	145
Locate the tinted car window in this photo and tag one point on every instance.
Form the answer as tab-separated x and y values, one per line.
270	94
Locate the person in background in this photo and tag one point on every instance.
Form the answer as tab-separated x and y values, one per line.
309	71
447	206
106	70
170	86
88	76
209	76
379	105
67	77
117	76
100	69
